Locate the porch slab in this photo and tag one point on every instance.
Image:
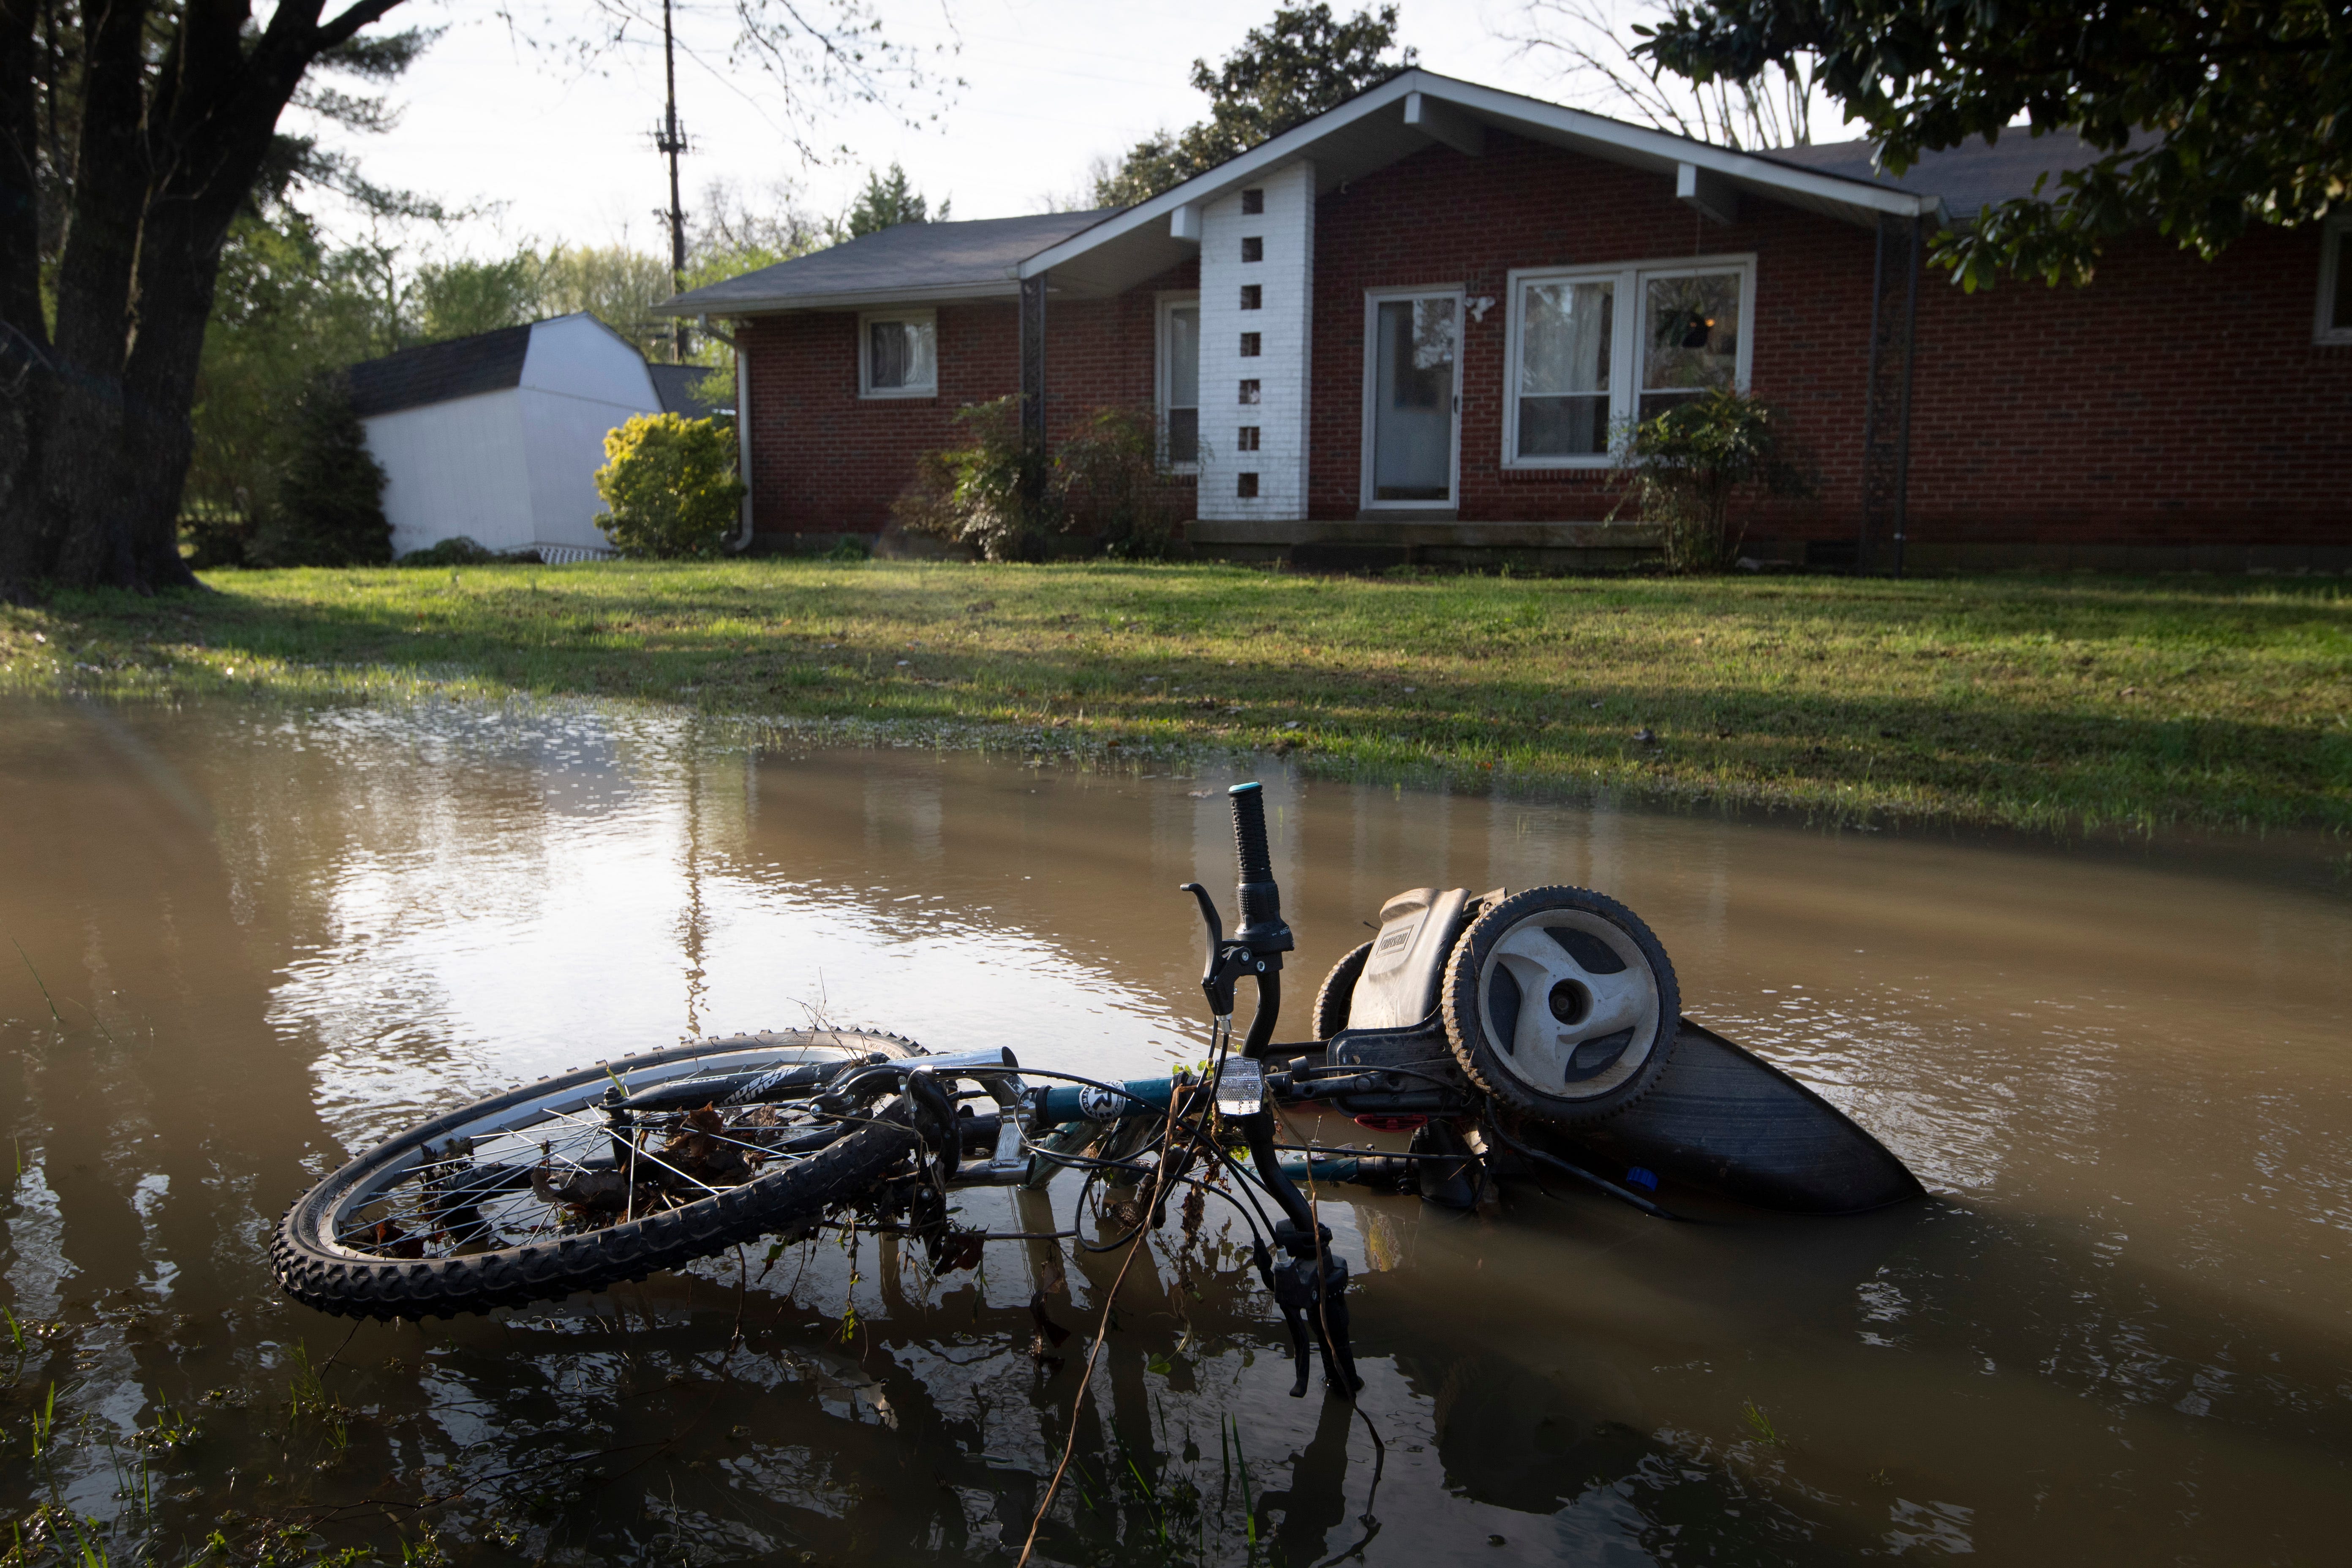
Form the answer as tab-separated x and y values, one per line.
1360	544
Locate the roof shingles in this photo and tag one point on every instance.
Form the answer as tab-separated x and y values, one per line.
436	373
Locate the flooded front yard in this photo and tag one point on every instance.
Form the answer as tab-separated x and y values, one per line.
254	942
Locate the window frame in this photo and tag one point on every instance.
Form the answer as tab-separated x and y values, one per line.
866	388
2335	242
1626	345
1163	307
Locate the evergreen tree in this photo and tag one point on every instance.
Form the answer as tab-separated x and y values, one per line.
886	202
1303	62
328	510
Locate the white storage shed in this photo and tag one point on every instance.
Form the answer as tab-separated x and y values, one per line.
498	436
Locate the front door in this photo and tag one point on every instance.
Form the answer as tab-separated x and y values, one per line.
1413	423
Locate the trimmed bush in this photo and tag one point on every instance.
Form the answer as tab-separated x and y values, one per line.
328	510
670	484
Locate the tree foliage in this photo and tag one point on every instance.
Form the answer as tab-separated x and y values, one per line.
134	138
2206	118
328	511
669	485
1303	62
889	199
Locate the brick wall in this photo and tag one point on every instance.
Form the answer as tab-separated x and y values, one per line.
2174	401
826	460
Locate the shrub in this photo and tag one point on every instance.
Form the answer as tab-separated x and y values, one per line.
670	484
329	509
1682	469
990	493
1109	483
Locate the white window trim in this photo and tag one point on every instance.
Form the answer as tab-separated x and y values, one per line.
2334	242
1163	304
1625	344
866	388
1365	487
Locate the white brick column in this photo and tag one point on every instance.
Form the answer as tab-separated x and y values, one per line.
1278	315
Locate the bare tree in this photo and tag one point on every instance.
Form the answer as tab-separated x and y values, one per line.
1594	47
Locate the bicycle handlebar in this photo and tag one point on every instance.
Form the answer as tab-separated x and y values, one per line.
1262	930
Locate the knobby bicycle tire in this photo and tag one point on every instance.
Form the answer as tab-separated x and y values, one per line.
317	1267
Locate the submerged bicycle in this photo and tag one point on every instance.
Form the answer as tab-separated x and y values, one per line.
1508	1033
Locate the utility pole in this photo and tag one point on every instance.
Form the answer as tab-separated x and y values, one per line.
669	140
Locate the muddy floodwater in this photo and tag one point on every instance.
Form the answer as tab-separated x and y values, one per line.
254	942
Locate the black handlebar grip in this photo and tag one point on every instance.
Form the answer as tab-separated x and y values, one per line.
1262	927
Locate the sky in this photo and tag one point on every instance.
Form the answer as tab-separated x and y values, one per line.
550	151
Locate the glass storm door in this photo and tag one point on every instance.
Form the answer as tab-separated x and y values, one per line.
1415	406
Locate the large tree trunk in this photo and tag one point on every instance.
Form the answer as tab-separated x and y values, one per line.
94	432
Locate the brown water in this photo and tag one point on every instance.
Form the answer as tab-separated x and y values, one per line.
2118	1333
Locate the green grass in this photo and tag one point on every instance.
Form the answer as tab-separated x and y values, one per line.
2051	704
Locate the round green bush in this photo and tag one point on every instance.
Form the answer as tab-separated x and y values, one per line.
670	484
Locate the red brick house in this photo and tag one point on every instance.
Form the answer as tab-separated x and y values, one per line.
1409	327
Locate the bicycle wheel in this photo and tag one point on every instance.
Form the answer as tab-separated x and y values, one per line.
549	1189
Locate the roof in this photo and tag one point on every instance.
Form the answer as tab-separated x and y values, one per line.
674	385
972	259
1416	108
1968	178
436	373
1103	253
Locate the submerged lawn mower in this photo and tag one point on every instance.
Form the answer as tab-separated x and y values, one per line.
1510	1033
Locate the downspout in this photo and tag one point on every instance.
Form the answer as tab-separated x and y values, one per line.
1870	391
1903	415
742	427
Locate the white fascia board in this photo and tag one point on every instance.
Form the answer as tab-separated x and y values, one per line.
1671	149
1665	149
862	299
1228	175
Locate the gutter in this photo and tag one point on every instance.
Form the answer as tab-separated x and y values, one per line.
742	427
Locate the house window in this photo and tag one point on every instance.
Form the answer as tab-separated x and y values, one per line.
1249	391
1245	486
1251	346
1252	296
2333	324
1253	202
1180	378
897	355
1592	350
1245	438
1253	248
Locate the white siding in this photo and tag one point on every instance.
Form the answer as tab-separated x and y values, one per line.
579	381
515	468
455	467
1286	279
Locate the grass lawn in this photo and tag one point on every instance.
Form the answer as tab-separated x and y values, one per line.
2060	704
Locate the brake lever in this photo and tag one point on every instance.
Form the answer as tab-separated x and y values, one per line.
1224	962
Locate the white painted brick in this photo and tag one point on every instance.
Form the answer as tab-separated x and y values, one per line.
1287	277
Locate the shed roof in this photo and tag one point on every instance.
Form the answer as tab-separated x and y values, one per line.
674	385
970	260
436	373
